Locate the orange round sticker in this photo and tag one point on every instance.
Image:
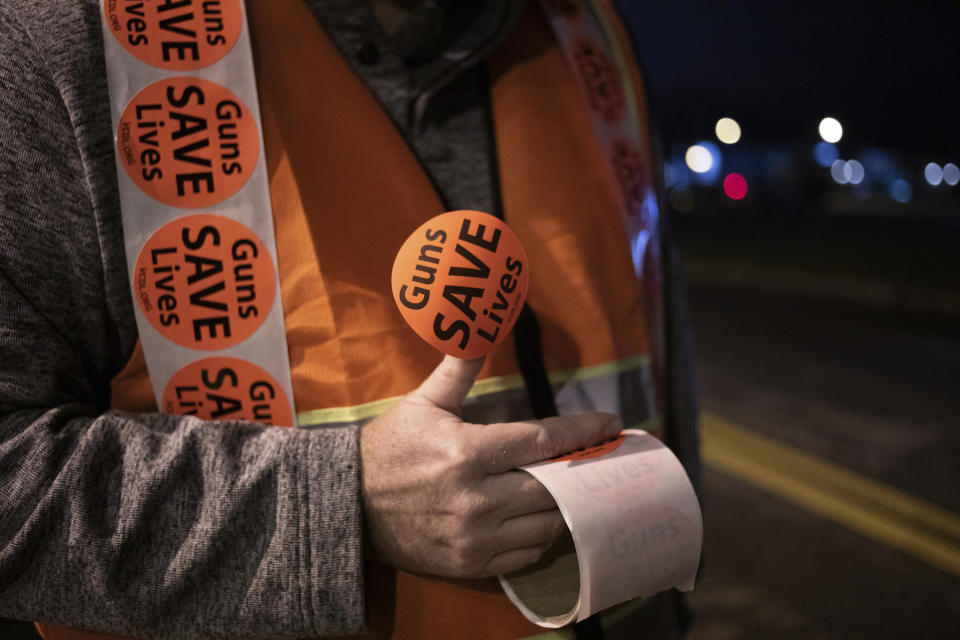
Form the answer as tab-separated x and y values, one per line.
460	281
595	451
606	482
227	389
188	142
204	281
178	35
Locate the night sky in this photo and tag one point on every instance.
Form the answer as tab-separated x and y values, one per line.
889	71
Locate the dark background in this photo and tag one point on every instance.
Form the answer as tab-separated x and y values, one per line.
888	71
826	316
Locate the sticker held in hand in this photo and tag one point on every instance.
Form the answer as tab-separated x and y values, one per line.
460	281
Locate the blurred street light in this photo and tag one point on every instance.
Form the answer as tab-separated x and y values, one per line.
853	172
735	186
831	130
933	174
901	191
951	174
825	153
727	130
838	171
699	158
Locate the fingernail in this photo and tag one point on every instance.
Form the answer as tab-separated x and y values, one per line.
615	424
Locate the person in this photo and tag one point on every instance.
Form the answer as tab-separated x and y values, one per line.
122	520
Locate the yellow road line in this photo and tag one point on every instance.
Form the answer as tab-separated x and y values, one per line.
892	517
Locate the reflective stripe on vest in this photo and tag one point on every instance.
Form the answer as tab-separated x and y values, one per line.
622	387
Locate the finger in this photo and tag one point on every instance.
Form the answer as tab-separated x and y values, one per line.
530	530
512	560
450	382
505	446
521	491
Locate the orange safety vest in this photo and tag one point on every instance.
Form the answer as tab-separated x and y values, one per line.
346	191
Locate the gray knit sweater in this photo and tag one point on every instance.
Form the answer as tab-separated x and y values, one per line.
147	524
139	524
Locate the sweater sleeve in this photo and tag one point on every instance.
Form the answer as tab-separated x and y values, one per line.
139	524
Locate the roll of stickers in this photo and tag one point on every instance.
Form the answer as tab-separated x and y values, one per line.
634	524
195	202
634	529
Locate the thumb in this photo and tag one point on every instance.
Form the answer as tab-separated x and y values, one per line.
448	385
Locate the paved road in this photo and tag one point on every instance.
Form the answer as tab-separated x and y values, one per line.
876	392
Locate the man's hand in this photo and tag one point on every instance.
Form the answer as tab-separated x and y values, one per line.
443	497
